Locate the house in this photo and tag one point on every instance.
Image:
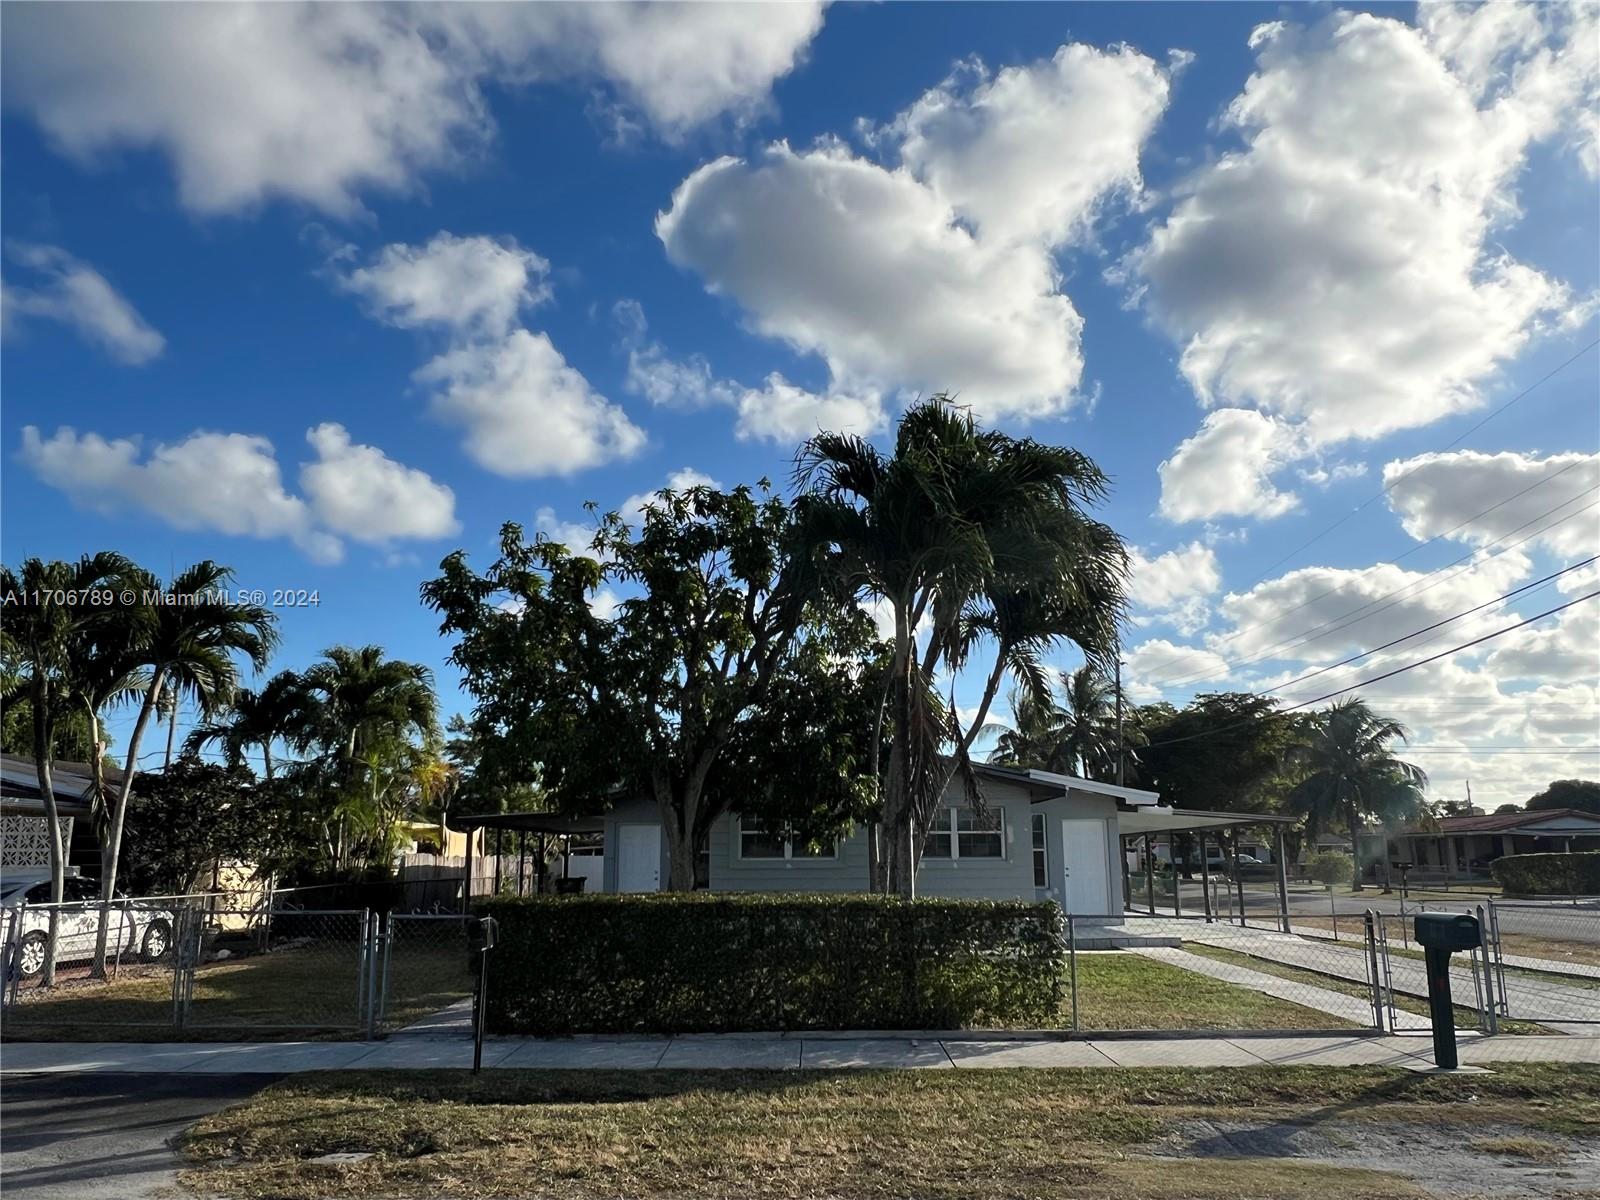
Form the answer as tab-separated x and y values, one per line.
1463	847
1039	836
24	835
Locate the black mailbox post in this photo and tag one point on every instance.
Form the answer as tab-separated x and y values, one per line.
482	935
1440	935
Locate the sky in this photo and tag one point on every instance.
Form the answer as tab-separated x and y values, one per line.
325	293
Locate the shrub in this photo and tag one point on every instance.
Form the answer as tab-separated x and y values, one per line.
711	962
1575	874
1330	866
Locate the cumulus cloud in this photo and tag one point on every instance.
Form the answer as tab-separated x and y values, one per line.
936	273
523	409
68	290
362	493
1225	470
1151	664
468	285
778	411
315	103
1339	271
231	483
1173	586
1548	501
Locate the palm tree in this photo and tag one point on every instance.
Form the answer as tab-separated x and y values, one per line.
365	709
1351	772
255	718
186	635
45	632
1088	731
983	536
1034	735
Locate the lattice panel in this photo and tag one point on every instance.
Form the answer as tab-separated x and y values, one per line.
25	841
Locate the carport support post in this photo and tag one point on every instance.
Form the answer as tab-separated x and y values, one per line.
1127	894
1205	875
1238	879
1177	875
1150	873
1283	881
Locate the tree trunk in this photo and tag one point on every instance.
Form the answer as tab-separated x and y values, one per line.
1355	844
266	763
98	771
172	729
111	849
1388	866
43	761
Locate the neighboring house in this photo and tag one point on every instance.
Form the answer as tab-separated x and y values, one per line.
1463	847
1040	836
24	838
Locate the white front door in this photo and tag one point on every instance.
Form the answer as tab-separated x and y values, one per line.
1086	887
638	858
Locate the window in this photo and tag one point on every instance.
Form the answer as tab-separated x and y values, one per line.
756	842
964	833
1041	873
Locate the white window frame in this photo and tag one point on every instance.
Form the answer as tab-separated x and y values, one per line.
948	813
786	839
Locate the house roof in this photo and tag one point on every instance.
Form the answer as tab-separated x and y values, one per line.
1047	785
19	786
1526	821
1172	820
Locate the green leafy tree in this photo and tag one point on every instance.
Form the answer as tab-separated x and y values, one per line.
984	539
1506	809
646	700
255	719
1351	772
45	631
1076	735
190	816
186	636
1580	794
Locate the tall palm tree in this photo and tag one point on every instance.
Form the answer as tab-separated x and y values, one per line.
186	635
360	707
983	536
1033	736
1088	745
44	634
1351	772
255	719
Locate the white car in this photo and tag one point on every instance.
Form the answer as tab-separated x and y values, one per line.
142	931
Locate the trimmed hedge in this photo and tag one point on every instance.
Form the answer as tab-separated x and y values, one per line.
1576	874
721	962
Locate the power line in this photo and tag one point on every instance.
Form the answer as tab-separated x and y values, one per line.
1538	583
1488	637
1356	615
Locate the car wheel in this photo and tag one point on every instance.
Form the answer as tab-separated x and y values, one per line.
30	957
157	941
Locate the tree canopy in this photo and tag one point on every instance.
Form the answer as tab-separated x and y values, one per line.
1580	794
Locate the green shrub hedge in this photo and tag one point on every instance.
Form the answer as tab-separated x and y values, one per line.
711	962
1576	874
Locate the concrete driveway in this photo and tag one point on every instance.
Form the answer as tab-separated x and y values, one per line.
103	1136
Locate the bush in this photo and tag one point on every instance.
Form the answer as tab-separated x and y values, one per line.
1330	866
721	962
1548	874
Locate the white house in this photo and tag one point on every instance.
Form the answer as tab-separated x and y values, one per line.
1040	836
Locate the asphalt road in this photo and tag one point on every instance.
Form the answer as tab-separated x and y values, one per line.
103	1137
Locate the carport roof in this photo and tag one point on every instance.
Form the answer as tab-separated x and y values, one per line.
1170	820
525	822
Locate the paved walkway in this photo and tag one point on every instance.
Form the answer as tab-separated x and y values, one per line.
778	1052
1337	1004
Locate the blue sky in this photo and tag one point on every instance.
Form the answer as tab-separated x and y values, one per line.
498	262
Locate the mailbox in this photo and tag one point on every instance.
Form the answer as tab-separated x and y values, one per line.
1447	931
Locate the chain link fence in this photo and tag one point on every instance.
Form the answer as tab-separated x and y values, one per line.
192	968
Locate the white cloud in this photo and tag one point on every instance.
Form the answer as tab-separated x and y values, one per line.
936	274
231	483
317	102
524	410
778	411
1339	271
1564	648
468	285
360	492
70	291
1225	470
1443	494
1151	664
1172	587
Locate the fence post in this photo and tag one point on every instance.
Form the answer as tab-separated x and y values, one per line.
375	922
1373	971
1283	881
1072	959
1205	876
1490	1016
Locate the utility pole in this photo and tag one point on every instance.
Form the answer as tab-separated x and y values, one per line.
1119	715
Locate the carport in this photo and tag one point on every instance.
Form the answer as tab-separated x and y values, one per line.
542	825
1146	823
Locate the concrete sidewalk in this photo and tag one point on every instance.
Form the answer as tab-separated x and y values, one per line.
778	1052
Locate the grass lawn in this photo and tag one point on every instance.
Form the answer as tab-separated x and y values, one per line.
1531	945
1126	991
984	1135
1466	1018
299	993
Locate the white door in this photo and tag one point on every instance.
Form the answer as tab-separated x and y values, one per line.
638	858
1086	886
